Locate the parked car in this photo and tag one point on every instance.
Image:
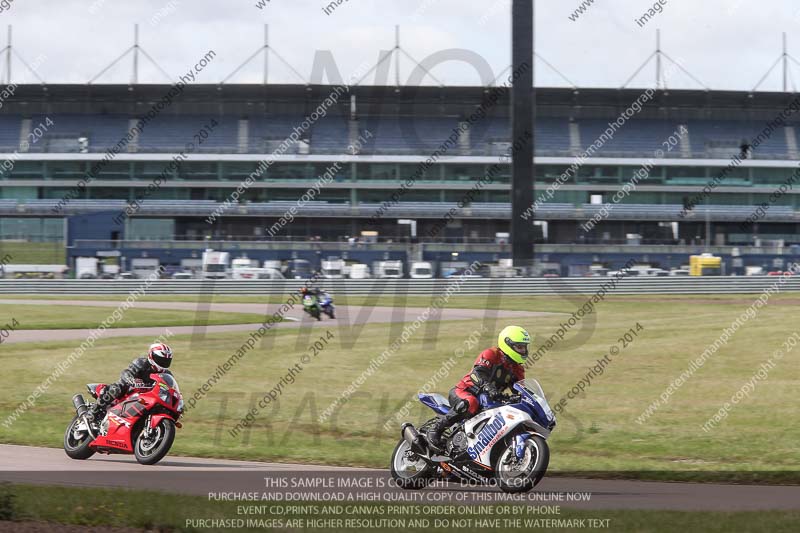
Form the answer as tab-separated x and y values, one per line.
551	273
625	273
597	273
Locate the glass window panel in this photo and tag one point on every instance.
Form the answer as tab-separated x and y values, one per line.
685	172
26	170
549	174
206	170
414	169
775	176
66	170
381	171
150	229
21	193
291	171
339	172
32	229
110	170
464	172
456	196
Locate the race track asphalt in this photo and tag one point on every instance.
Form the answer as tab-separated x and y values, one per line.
197	476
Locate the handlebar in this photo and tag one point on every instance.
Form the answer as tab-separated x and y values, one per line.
499	398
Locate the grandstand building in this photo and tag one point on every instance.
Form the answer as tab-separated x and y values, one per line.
230	162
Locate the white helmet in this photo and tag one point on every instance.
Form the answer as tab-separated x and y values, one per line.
160	356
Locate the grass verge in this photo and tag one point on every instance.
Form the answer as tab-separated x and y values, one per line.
85	317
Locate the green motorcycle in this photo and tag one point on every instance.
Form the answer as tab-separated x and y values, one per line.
311	306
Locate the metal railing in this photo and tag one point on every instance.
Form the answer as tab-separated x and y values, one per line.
390	287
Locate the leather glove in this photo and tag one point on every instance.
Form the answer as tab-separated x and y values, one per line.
491	390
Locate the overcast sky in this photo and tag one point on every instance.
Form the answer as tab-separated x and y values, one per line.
726	44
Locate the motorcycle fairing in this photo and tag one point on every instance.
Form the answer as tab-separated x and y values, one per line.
123	416
155	419
536	405
500	421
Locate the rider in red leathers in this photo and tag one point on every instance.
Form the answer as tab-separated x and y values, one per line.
495	370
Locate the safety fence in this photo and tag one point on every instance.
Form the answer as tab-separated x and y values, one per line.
467	286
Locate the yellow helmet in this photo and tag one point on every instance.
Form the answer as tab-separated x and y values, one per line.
514	341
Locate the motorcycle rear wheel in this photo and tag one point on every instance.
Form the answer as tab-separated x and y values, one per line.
77	449
150	450
407	473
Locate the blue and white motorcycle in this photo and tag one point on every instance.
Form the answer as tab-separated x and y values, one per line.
326	304
505	443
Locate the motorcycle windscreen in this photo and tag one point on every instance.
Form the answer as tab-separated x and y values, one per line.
532	387
170	381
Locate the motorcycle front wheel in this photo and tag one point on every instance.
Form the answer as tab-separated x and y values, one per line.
409	470
513	474
152	444
77	447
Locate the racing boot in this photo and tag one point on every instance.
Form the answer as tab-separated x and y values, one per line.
98	409
454	415
95	413
434	434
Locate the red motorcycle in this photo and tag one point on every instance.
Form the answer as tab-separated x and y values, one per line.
142	422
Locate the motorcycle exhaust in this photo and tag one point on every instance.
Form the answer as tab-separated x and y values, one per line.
83	411
80	406
413	438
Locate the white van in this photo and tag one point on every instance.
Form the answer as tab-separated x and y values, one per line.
333	269
421	270
359	271
389	269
